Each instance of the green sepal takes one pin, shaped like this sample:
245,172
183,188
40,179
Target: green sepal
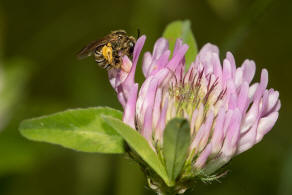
176,142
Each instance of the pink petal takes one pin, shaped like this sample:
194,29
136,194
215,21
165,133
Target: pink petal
218,134
249,69
160,46
146,65
232,136
130,108
227,72
162,120
243,97
265,125
137,50
177,57
147,126
231,60
203,157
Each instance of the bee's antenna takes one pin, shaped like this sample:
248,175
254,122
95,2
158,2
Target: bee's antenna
138,33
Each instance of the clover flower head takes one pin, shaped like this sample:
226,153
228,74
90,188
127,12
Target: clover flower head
226,112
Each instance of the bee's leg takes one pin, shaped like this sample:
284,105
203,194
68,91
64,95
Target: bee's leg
101,60
98,52
107,67
99,57
117,61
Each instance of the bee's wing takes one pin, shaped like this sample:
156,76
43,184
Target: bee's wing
89,49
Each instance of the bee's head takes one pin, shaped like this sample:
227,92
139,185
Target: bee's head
131,44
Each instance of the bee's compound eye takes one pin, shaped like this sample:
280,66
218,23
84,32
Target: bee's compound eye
131,45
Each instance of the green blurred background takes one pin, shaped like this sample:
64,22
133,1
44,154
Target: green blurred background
39,74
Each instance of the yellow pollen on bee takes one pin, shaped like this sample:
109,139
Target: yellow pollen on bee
107,52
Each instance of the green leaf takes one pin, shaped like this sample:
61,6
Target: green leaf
79,129
182,30
176,141
140,145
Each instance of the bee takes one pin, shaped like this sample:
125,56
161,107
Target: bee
109,51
